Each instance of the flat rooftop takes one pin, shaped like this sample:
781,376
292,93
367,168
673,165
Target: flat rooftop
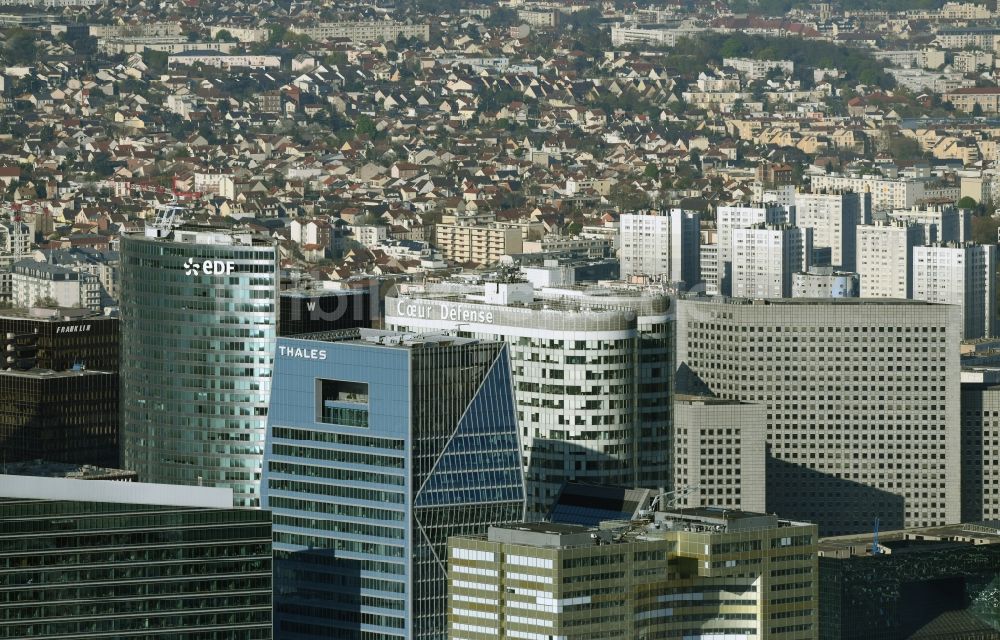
844,302
49,374
113,491
59,314
48,469
383,338
915,540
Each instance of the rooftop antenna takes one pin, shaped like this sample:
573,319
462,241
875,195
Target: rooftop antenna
876,549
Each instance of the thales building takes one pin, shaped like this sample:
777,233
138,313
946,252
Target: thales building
591,371
198,326
381,446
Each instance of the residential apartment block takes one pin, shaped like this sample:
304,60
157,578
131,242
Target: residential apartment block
765,256
482,244
834,218
964,276
885,257
384,31
661,248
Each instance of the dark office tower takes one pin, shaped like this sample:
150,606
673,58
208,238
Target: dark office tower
63,416
123,560
380,446
199,319
58,339
309,311
59,386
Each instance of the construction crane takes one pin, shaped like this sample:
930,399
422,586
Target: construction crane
663,503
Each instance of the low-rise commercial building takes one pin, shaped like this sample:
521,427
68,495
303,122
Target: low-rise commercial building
686,573
107,559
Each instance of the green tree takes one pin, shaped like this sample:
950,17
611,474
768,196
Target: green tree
155,61
968,202
651,171
627,197
21,48
364,126
977,110
223,35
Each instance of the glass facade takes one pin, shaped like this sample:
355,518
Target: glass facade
591,374
363,512
105,570
60,416
196,355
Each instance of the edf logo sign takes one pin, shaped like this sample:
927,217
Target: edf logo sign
209,267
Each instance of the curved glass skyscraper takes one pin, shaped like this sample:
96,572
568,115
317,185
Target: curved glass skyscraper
198,327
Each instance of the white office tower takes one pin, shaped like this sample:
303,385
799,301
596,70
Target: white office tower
710,268
729,218
824,282
861,401
965,276
764,258
941,223
591,372
661,247
885,253
834,218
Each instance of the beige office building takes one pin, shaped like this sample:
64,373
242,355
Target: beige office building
691,573
861,401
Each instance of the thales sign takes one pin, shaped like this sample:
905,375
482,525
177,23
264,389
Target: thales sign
407,309
298,352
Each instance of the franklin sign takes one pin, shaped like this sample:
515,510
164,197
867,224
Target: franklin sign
440,312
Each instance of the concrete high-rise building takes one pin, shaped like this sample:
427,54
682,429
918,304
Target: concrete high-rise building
661,248
680,573
834,217
824,282
729,218
965,276
380,446
886,193
861,401
592,375
764,258
719,449
710,268
199,311
941,223
112,559
885,256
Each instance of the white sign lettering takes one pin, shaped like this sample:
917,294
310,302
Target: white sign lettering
73,329
305,354
454,314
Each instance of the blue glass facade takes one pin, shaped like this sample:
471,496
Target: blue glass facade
376,453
